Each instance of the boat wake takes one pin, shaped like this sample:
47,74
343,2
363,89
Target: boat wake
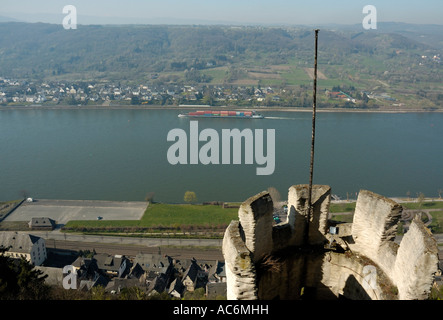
281,118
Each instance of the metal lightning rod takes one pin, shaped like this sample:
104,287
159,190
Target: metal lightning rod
311,171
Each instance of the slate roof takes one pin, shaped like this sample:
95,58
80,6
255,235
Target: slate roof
108,262
177,286
192,272
152,261
98,280
17,242
43,222
217,271
136,272
54,275
158,284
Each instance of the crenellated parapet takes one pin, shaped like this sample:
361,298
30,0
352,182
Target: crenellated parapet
301,258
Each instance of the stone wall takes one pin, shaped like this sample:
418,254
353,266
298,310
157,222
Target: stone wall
241,279
300,259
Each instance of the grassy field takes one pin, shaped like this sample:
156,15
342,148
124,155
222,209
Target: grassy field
437,222
161,216
437,216
424,205
342,207
346,218
218,74
211,219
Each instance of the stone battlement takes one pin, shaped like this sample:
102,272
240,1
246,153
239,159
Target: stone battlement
301,258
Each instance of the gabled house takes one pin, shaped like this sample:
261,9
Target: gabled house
43,223
116,285
217,273
113,265
86,268
23,245
193,277
154,265
176,289
87,284
135,272
158,284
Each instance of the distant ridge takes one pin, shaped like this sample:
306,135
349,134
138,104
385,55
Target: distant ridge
8,19
48,49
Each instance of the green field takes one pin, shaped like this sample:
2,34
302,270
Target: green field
210,219
161,216
218,75
424,205
437,222
342,207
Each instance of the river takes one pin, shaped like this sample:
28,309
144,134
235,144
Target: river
121,154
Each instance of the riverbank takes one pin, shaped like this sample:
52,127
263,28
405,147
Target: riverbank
205,107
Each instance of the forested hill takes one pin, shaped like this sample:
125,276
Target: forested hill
42,51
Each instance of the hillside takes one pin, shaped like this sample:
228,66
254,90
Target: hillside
396,62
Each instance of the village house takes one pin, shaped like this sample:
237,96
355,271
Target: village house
156,283
153,262
88,274
23,245
176,289
112,265
194,277
151,273
116,285
43,223
86,284
217,273
85,266
158,271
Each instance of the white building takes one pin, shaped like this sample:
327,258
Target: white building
25,245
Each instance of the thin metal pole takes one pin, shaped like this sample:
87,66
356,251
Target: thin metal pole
311,171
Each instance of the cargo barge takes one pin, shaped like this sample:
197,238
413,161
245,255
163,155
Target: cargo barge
222,114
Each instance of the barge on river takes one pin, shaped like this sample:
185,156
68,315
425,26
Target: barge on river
222,114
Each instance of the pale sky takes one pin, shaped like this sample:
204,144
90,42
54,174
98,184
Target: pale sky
225,11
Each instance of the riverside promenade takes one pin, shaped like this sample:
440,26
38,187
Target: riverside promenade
63,211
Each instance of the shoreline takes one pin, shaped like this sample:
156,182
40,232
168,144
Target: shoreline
234,108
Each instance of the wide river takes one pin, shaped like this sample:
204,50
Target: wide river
122,155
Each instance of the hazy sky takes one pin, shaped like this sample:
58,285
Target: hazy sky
225,11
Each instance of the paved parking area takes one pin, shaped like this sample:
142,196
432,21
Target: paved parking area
64,210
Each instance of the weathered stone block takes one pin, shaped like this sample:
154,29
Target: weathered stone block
240,270
375,222
255,216
298,213
416,263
